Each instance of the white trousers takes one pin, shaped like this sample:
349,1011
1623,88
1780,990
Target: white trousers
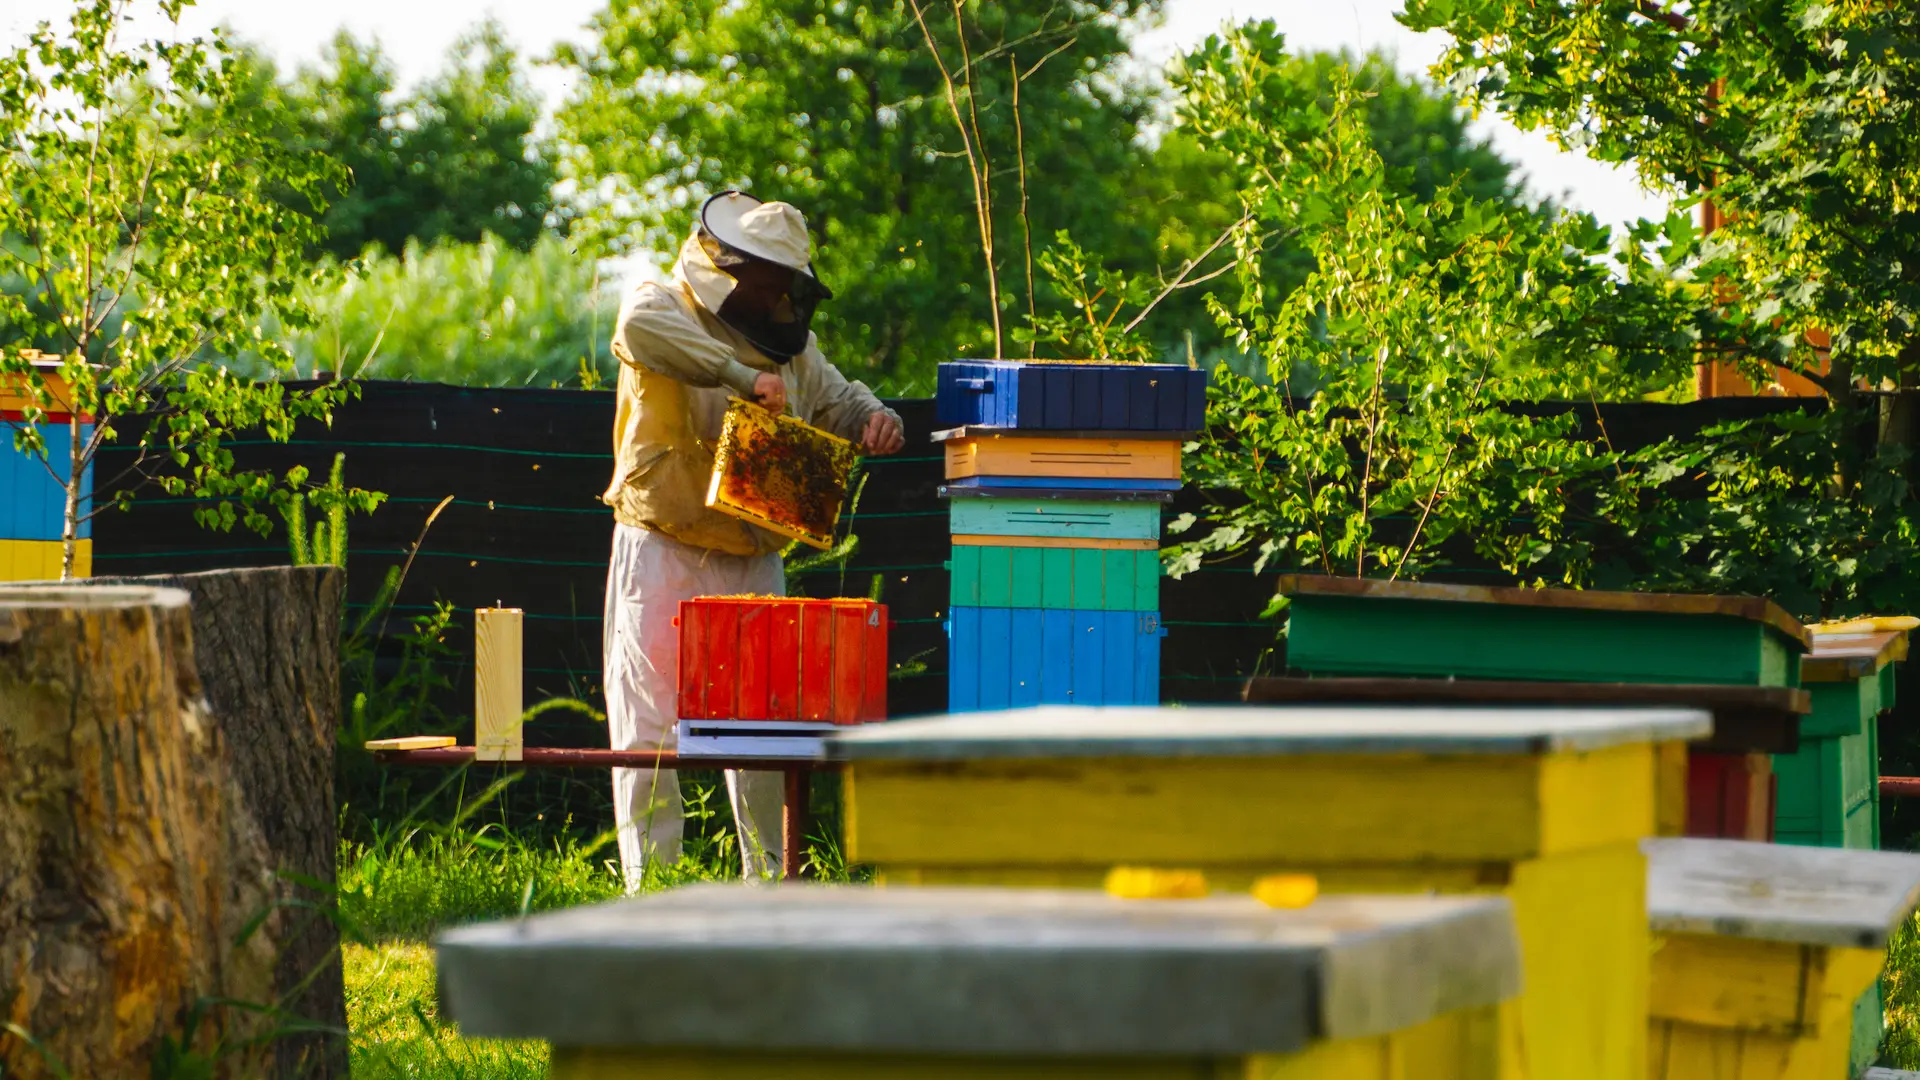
647,577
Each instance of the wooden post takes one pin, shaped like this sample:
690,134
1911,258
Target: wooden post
793,822
497,699
129,864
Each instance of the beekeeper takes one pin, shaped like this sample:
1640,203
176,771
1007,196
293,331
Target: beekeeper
733,321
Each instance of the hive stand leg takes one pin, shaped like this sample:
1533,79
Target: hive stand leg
793,822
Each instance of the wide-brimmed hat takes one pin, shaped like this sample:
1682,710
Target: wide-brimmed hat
773,231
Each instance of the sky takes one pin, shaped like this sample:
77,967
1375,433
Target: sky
416,34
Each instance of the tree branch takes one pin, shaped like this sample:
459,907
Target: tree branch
1026,221
973,165
986,177
1185,270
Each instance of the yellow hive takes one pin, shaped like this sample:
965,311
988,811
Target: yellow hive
1545,806
852,982
1760,952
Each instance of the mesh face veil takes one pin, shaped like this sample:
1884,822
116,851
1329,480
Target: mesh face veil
771,304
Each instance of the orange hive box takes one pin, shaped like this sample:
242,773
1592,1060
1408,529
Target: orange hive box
776,658
780,474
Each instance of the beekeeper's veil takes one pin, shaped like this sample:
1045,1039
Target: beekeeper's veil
750,264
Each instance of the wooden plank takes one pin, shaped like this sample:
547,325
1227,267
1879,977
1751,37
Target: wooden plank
1090,518
1028,664
412,742
1729,983
983,540
1730,796
1842,657
1100,813
816,662
1361,636
878,628
497,700
1029,488
1758,718
691,682
756,661
1757,609
784,652
978,431
1009,456
937,970
1236,731
1831,987
1070,395
996,658
1779,892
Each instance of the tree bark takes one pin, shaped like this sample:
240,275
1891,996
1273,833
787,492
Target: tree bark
268,645
130,873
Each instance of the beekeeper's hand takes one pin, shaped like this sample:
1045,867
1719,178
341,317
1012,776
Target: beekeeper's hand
882,434
770,392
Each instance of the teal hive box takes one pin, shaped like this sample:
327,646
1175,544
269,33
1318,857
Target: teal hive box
1090,519
1351,626
1829,791
1092,579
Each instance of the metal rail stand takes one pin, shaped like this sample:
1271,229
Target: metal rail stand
797,769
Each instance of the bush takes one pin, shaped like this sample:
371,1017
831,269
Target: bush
468,314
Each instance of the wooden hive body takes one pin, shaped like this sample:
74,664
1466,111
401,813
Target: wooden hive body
1007,658
1088,579
1028,395
32,500
1766,956
783,658
1079,458
856,983
1349,627
1545,806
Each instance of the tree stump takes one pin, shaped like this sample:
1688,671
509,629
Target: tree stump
267,643
130,872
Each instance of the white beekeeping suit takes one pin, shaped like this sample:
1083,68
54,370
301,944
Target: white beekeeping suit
732,322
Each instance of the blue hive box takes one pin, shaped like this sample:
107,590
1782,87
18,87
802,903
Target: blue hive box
1006,658
1041,396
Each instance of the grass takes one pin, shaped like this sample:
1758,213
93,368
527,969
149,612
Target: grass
399,888
407,890
397,1030
398,891
1901,1049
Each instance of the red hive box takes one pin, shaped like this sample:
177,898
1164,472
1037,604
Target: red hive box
768,658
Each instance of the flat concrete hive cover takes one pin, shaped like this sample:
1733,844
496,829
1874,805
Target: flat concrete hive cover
975,971
1779,892
1252,731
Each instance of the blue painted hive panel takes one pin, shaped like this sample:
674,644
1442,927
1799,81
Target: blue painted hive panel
32,501
1061,397
1007,658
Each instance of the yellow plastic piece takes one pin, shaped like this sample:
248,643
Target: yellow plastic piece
1146,883
1287,890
